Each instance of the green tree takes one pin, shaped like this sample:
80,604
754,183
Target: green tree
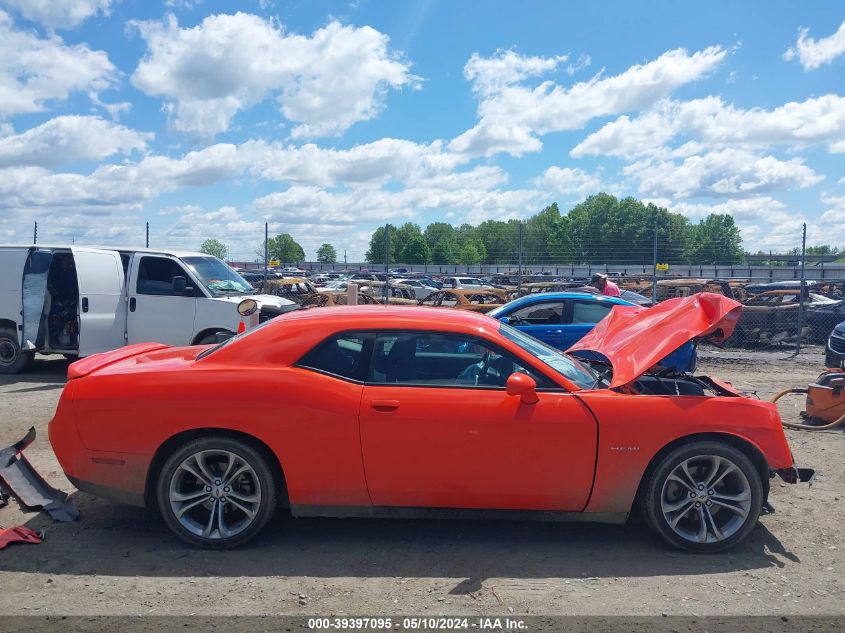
500,240
326,254
213,247
714,240
472,252
284,248
539,234
375,253
442,238
415,250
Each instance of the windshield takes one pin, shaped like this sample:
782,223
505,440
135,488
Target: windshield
562,363
217,276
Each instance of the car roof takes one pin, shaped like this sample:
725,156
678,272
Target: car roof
122,249
374,316
564,295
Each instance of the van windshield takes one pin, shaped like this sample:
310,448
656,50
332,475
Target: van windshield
217,276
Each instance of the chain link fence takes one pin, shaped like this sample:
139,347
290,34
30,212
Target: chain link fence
792,302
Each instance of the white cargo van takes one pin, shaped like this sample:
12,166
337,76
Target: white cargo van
78,301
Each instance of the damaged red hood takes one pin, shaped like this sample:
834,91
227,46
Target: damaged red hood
634,339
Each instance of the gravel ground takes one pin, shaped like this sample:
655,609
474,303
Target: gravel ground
122,561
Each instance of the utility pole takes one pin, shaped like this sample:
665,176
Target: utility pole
35,234
386,261
266,250
148,235
654,267
801,293
344,258
519,256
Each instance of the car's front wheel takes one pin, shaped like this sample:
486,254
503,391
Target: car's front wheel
216,492
703,497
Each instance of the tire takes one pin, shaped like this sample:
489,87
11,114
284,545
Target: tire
729,504
183,485
13,360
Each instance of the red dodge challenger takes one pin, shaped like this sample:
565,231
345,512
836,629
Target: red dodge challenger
402,411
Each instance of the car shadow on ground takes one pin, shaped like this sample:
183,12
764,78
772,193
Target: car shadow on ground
126,541
52,372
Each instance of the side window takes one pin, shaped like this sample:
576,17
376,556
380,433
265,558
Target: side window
344,355
547,313
155,277
441,360
589,311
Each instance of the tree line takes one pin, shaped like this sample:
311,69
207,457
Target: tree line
602,228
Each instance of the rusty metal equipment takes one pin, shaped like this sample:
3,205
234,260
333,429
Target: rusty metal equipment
825,407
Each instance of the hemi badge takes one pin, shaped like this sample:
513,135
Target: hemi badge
622,449
111,462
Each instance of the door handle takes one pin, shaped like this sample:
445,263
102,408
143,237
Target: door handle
385,405
85,304
132,304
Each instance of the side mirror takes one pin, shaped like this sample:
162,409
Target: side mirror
505,320
179,284
524,386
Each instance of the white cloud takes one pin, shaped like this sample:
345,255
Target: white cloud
743,209
813,53
513,115
725,173
324,83
765,223
490,75
817,120
835,214
58,14
565,180
35,71
66,139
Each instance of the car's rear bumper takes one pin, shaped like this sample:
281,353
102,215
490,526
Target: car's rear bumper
107,492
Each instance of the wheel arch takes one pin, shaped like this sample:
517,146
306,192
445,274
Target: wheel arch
208,331
8,323
171,444
746,447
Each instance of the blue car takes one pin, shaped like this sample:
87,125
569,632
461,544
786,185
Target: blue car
561,319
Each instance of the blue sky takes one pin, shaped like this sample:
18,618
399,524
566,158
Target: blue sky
326,119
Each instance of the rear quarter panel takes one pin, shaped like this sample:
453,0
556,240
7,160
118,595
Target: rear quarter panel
634,428
308,420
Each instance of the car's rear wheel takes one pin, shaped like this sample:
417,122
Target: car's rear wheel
13,359
704,497
216,492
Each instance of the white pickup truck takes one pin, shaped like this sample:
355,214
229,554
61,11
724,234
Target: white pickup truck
79,301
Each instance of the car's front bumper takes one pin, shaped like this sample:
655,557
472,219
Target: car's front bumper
835,352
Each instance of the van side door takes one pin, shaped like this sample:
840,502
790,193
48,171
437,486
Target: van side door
161,310
102,312
12,262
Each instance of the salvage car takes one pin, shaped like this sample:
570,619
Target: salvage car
465,299
561,319
835,351
389,412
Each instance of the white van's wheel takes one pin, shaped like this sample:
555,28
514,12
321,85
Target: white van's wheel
12,359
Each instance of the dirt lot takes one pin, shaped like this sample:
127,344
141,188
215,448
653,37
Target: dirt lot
120,560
